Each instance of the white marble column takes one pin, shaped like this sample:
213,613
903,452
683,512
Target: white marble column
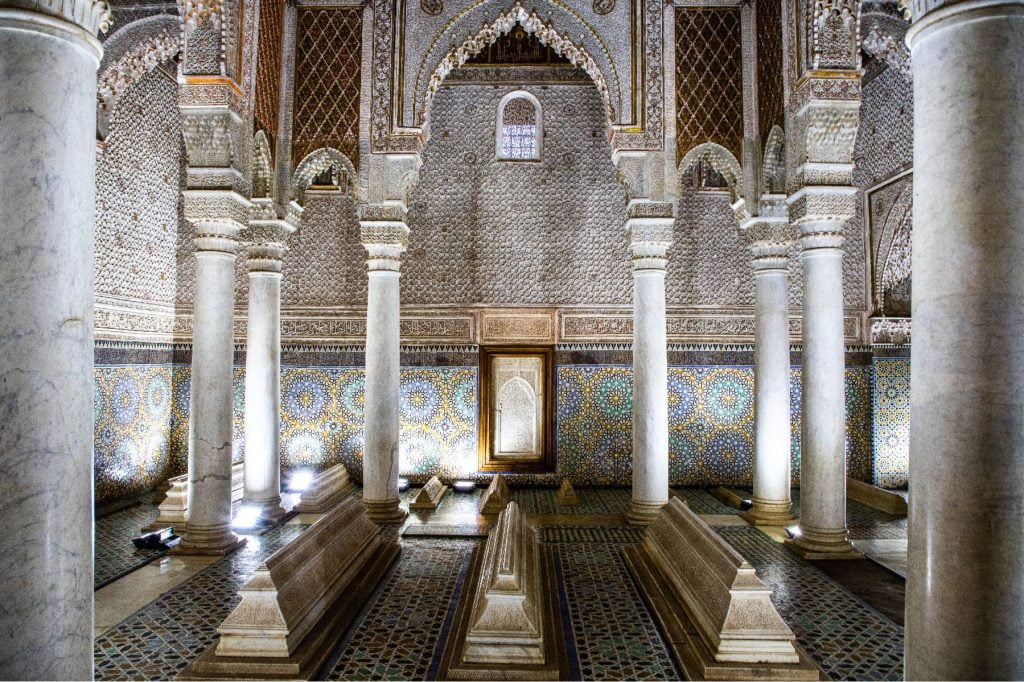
47,193
822,533
769,242
650,239
965,581
208,529
265,250
385,237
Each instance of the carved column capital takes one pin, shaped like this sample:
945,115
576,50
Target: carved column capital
214,237
92,15
213,147
384,240
650,238
769,241
266,237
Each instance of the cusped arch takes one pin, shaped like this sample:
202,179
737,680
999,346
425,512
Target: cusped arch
318,161
605,79
262,166
893,259
773,166
720,159
130,53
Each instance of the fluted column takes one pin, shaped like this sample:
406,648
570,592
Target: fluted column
823,533
965,580
208,529
384,234
48,60
650,238
265,249
769,242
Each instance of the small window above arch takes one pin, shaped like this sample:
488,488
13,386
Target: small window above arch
520,127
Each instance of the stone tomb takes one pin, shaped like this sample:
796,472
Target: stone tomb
326,490
496,496
566,495
174,507
301,600
716,614
429,495
506,626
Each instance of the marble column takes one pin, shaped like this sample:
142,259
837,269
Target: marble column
208,529
48,60
265,250
650,239
385,237
769,243
822,532
965,581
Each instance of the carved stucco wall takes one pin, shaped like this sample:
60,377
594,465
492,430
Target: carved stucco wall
484,231
138,195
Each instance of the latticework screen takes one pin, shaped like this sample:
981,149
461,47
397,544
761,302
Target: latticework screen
709,79
268,68
327,59
770,104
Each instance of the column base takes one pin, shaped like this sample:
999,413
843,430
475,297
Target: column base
817,544
642,513
770,513
385,512
208,541
271,511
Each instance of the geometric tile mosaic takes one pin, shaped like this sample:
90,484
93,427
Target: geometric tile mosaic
846,637
711,424
115,554
891,397
864,522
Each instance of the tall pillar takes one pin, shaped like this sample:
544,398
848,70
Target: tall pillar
48,60
384,234
823,533
650,238
266,247
965,582
769,242
208,529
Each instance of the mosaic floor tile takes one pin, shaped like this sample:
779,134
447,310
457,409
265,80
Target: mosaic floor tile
158,641
703,502
845,636
115,554
616,637
401,636
866,522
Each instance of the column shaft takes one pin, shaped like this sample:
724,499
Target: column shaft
772,444
823,429
263,388
965,582
208,530
650,241
384,243
47,191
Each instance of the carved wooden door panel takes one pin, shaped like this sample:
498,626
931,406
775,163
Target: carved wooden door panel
517,398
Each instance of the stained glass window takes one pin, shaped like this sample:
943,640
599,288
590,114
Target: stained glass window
519,130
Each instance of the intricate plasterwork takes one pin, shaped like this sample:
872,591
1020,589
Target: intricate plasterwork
894,330
209,138
92,15
532,23
897,266
836,27
719,158
773,164
262,166
318,162
200,12
893,52
133,65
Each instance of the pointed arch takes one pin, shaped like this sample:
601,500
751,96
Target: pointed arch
607,85
317,162
262,167
719,158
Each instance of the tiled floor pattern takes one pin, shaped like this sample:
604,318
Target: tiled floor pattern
615,636
863,522
158,641
396,640
612,634
703,502
115,554
849,639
